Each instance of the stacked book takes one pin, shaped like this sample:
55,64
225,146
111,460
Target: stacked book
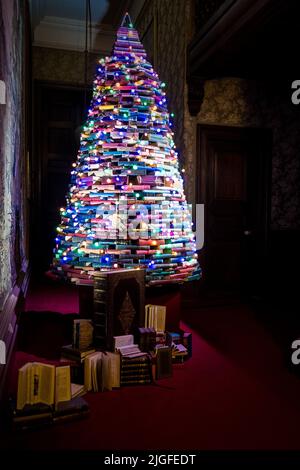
136,370
146,338
74,354
76,408
75,359
82,345
30,416
135,365
41,414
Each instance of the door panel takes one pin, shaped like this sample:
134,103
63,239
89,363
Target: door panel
234,173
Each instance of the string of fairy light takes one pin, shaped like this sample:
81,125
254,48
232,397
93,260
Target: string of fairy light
126,206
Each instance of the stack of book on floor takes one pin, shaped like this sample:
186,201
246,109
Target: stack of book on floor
135,366
46,396
82,346
136,370
146,338
75,359
40,414
76,408
30,416
74,354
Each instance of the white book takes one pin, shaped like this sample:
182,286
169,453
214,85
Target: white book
121,341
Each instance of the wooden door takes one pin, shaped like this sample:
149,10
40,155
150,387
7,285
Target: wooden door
234,170
60,112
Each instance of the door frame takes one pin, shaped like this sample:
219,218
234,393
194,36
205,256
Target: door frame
265,137
37,173
39,87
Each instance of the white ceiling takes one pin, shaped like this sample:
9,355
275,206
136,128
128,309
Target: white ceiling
71,9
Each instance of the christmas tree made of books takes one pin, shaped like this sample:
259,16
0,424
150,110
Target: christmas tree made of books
126,207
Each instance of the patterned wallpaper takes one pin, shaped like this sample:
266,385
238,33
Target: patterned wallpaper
61,65
12,225
283,118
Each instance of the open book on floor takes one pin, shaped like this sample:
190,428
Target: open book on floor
102,371
43,383
126,347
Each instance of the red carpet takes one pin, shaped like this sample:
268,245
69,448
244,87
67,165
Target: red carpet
235,393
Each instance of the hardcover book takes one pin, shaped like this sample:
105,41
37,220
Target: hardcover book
136,371
43,383
119,304
124,340
163,363
155,317
41,415
82,334
68,411
102,371
173,337
187,342
68,352
146,338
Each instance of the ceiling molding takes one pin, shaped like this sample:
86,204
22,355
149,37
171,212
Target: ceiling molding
69,34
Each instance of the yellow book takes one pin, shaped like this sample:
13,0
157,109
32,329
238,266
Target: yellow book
43,383
106,106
